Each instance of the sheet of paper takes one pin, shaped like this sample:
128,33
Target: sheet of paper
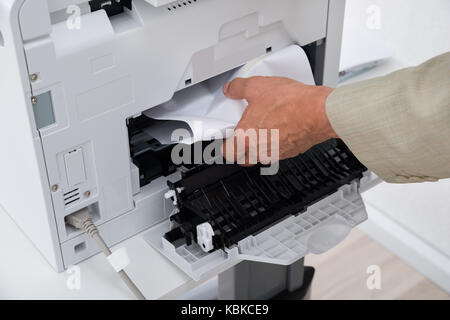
203,109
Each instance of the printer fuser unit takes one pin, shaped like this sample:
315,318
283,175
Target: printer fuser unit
227,213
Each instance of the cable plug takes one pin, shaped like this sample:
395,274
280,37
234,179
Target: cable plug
78,218
82,220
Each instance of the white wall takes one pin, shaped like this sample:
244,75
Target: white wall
411,220
415,30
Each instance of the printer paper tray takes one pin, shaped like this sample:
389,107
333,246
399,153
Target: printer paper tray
322,226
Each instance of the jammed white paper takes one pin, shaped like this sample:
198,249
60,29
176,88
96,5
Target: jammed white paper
206,113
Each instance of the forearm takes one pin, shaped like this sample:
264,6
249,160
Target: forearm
398,125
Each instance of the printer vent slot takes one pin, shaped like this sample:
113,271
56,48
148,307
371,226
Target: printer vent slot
71,197
180,4
80,247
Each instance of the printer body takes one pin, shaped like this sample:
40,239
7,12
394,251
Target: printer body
75,79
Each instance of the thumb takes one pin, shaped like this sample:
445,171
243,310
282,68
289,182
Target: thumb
237,89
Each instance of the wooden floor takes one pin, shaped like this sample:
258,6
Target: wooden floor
341,273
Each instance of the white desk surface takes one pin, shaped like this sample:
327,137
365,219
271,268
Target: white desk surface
416,30
25,274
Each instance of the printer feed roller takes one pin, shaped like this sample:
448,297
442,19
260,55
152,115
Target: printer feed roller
238,202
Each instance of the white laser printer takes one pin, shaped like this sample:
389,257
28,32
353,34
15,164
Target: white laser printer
75,79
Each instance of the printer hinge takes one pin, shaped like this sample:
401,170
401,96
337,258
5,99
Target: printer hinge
112,7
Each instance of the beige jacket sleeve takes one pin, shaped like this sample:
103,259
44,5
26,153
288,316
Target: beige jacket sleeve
398,125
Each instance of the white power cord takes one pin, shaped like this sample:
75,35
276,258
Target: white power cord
82,220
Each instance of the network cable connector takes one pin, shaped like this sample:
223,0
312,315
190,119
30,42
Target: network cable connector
227,213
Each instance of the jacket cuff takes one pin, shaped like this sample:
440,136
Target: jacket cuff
356,119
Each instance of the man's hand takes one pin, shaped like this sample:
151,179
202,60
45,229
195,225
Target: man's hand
295,109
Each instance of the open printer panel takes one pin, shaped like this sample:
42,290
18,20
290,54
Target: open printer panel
226,213
238,202
77,76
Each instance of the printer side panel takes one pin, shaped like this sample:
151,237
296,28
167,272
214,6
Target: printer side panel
24,188
336,12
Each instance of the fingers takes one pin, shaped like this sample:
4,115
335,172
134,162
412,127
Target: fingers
251,146
239,88
247,131
243,154
233,150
